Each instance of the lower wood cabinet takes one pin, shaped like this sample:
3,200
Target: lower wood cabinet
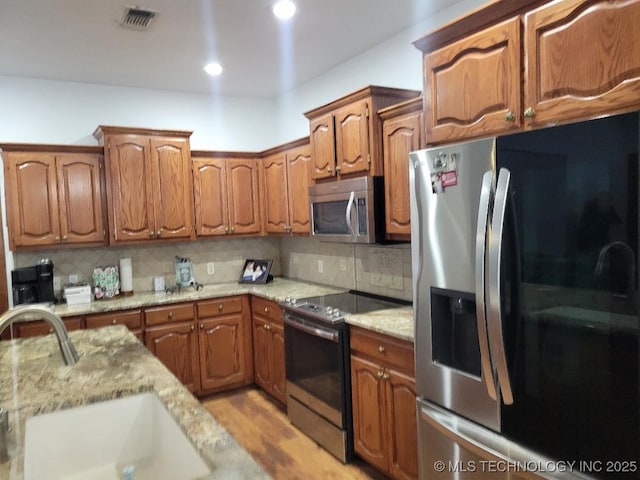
40,327
207,344
224,340
172,337
268,348
132,319
384,402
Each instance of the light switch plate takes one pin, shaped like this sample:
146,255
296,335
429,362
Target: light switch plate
320,266
211,268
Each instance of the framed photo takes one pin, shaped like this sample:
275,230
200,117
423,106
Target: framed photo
255,271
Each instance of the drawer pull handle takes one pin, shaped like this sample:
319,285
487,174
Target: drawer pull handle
220,307
170,314
114,321
266,309
381,348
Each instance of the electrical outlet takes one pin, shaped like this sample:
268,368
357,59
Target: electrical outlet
294,257
320,266
211,268
343,265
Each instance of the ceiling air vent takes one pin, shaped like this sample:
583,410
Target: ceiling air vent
137,18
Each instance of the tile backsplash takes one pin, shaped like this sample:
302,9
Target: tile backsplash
152,260
383,270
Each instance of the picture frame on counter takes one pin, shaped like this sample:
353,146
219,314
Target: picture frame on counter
256,271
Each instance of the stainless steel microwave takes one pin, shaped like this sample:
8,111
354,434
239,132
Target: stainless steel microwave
348,211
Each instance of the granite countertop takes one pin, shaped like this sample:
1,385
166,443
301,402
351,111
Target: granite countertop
396,322
277,290
113,364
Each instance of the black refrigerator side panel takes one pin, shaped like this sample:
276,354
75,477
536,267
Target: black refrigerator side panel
572,328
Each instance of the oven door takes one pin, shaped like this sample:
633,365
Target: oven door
315,366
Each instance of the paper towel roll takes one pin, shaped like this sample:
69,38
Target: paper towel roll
126,276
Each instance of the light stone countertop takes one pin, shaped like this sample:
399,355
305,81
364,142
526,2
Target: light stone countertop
277,290
113,364
396,322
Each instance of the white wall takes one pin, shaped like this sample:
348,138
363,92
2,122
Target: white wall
45,111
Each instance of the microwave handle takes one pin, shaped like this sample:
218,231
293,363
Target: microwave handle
352,199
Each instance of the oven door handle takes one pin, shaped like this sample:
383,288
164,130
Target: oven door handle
318,332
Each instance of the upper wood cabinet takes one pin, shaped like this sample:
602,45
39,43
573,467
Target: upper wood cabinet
402,133
523,68
346,134
149,184
66,184
287,176
227,195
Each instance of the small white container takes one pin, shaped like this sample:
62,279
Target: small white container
77,294
126,276
158,284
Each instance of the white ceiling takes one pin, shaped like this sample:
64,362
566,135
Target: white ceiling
81,40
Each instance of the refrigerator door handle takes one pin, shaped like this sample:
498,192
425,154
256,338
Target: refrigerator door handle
352,198
496,338
481,249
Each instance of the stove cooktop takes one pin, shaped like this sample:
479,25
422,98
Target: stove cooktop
333,308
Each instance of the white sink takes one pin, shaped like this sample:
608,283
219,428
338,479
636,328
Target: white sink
98,441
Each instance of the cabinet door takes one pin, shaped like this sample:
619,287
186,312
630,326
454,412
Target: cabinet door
222,352
352,138
244,195
261,364
400,136
129,184
177,347
323,146
583,60
210,189
278,362
171,162
403,433
276,211
473,85
299,172
369,430
31,181
81,198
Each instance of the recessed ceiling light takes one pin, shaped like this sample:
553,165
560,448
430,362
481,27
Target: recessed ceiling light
284,9
213,68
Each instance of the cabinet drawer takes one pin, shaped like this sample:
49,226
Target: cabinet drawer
219,306
387,350
40,327
266,308
131,318
169,314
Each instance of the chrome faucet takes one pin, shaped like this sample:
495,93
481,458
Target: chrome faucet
42,312
631,269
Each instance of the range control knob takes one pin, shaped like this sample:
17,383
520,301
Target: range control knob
328,310
336,312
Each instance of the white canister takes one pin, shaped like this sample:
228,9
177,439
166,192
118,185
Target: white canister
126,276
158,284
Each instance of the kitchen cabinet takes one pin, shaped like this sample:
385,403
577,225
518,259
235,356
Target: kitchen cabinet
224,340
287,176
66,183
384,402
531,69
40,327
227,195
268,348
402,133
171,336
346,134
149,184
132,319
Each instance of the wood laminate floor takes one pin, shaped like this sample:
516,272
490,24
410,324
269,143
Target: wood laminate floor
261,427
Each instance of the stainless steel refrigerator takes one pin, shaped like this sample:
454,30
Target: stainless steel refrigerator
525,266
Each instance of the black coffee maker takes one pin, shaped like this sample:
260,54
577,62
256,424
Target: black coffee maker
33,284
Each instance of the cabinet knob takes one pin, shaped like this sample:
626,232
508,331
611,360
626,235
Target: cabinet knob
380,374
193,328
266,309
158,233
114,321
220,307
529,113
233,229
152,234
385,376
338,169
510,116
381,348
170,314
201,326
65,237
51,330
57,238
329,170
226,230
